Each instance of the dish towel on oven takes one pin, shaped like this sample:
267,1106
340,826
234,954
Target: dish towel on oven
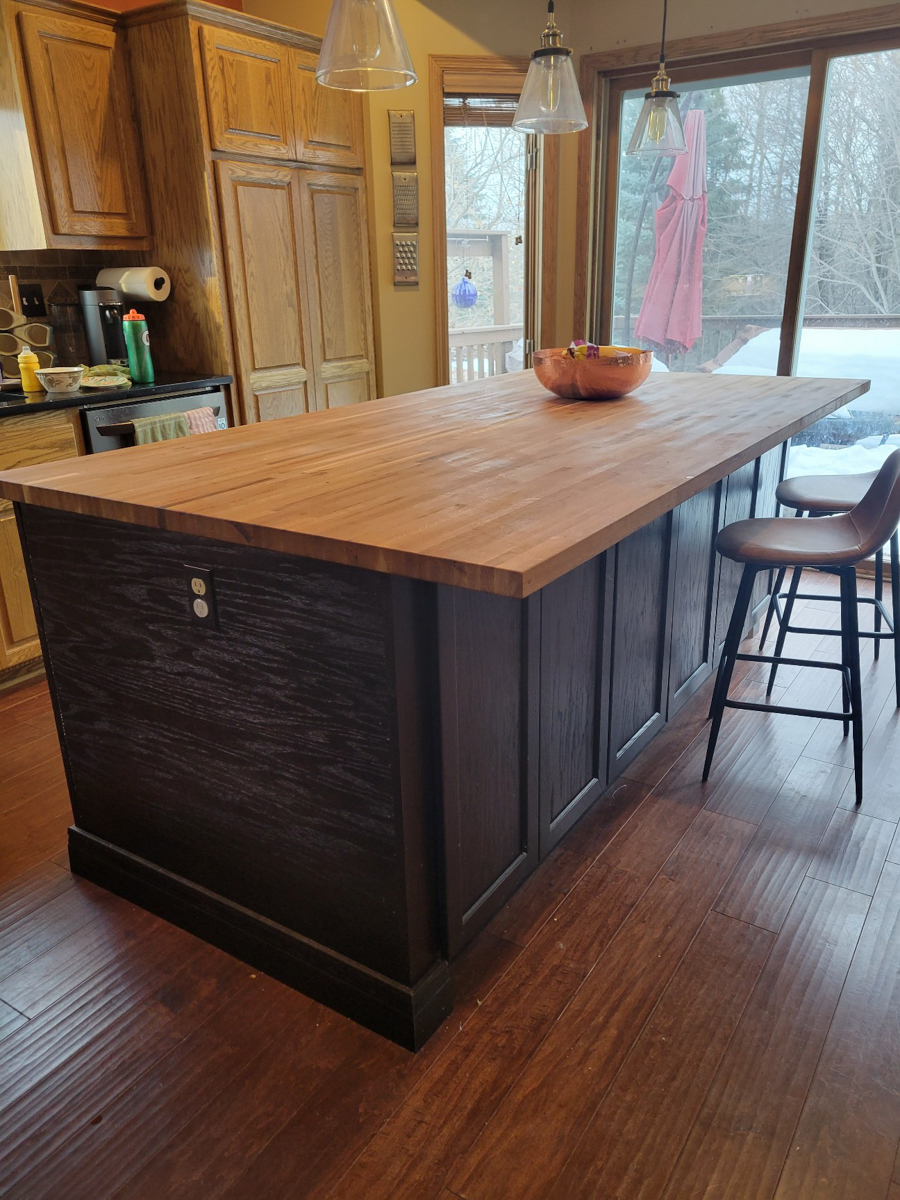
201,420
161,428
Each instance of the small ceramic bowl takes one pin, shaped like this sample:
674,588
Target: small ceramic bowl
616,372
60,380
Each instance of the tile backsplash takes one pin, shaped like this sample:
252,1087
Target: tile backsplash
59,272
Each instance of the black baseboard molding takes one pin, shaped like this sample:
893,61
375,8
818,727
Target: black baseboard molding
406,1015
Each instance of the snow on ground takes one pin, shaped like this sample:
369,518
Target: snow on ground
833,354
836,460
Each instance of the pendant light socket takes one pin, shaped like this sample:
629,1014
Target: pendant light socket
659,131
550,100
364,49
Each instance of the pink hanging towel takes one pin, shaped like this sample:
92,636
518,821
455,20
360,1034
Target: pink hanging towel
201,420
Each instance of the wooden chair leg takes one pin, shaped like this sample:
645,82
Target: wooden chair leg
726,666
850,640
785,622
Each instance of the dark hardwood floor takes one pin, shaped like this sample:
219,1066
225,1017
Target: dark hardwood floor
697,995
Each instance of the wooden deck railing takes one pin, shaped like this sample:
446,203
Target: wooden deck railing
480,352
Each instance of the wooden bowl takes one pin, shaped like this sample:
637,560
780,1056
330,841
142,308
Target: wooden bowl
618,371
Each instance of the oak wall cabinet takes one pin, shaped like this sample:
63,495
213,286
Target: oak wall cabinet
68,137
24,442
261,215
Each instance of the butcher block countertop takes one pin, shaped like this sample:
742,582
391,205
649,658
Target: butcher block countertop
494,485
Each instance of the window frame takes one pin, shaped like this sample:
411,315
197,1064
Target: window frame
604,77
474,75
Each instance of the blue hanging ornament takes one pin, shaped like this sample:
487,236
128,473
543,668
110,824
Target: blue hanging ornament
465,294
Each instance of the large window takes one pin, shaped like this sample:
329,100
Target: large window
773,246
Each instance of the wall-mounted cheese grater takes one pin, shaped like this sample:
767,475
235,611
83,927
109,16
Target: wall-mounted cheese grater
406,259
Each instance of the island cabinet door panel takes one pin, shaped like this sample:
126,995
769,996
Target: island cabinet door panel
488,648
639,665
573,746
247,93
769,469
340,288
695,524
739,492
264,759
262,227
81,100
328,121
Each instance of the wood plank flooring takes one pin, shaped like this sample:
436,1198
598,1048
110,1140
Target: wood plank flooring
695,996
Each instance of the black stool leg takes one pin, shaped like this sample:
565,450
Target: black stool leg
785,622
879,594
850,640
770,611
726,666
895,606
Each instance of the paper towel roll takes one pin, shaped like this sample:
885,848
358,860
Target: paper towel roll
144,283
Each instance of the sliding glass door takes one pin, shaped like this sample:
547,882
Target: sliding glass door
702,241
773,245
850,297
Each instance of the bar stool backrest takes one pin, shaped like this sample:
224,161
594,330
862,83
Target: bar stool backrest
878,513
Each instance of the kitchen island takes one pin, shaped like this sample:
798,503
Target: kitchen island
431,631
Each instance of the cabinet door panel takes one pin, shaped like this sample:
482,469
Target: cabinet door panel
21,628
696,523
768,477
338,279
247,85
264,247
640,644
328,121
573,740
26,441
738,506
488,698
88,140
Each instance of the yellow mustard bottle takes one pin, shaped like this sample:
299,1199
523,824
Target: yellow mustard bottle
28,364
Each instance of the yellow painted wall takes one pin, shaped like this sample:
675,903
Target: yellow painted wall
404,316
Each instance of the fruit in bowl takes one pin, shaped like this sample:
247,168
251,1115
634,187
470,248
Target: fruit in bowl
60,380
585,372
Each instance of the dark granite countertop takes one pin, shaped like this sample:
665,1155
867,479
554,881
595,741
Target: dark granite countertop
14,403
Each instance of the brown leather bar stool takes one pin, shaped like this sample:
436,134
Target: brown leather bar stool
822,495
836,543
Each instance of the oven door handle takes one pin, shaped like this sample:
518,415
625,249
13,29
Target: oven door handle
126,427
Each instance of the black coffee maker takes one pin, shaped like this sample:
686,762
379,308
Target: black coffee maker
103,310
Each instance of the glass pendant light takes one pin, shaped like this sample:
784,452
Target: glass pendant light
550,100
364,49
659,131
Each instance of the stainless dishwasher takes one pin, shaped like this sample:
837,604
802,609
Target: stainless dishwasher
111,426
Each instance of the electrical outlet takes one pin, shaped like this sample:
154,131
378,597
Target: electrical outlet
201,596
32,297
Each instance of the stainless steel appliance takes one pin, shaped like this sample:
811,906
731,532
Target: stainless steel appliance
103,310
111,426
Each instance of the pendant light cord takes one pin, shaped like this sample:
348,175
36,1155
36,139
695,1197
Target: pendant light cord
662,45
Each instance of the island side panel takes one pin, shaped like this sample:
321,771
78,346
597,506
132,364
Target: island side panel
489,693
272,761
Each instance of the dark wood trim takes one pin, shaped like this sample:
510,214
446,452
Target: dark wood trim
793,295
408,1015
883,19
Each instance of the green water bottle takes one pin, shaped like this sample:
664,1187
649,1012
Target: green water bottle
137,343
